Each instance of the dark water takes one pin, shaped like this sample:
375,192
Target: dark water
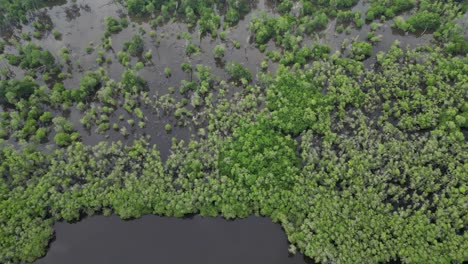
81,22
153,239
387,35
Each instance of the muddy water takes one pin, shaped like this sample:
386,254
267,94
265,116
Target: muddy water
152,239
387,35
81,23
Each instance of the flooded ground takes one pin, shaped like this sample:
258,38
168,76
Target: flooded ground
82,25
384,31
153,239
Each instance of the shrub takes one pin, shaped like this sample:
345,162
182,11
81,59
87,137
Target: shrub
57,34
112,26
361,50
167,72
136,46
238,72
425,21
218,51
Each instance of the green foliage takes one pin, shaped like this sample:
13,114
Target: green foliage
62,139
57,34
148,55
361,50
131,81
318,22
201,11
451,35
346,3
32,56
267,27
222,35
124,22
424,21
238,72
136,6
303,55
16,11
209,23
136,46
46,117
89,49
37,34
186,67
66,170
167,72
260,161
26,36
123,58
388,8
139,65
236,44
41,135
65,54
113,26
12,91
358,164
218,51
401,24
89,85
296,104
346,16
232,17
359,175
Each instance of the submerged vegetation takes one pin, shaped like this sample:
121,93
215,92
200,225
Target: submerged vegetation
359,153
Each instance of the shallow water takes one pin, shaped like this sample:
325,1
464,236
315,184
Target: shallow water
153,239
81,22
387,35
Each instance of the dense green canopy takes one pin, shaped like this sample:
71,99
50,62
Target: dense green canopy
359,154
